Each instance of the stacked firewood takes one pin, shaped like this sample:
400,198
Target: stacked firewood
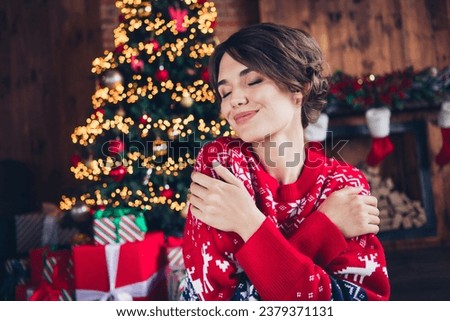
397,210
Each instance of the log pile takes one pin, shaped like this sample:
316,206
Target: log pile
397,210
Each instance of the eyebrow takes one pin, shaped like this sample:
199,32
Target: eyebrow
241,74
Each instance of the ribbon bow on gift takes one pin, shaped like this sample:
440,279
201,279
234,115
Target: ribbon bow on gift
123,293
55,283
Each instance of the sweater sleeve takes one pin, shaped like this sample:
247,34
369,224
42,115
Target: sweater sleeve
209,262
209,253
279,271
314,236
282,273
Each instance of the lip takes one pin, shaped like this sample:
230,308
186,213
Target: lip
243,117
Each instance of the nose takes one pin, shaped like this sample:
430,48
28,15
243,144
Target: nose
238,99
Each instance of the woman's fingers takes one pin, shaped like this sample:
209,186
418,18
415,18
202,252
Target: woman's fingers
369,200
198,190
225,174
374,220
196,201
203,180
373,229
372,210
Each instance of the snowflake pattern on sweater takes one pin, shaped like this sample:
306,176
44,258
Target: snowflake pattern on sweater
295,239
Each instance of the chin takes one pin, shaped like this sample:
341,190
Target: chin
251,137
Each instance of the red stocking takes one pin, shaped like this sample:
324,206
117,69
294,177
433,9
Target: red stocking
378,120
381,148
443,157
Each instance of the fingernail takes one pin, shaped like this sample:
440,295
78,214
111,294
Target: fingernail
215,163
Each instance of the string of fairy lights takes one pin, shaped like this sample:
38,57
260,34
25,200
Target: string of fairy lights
138,16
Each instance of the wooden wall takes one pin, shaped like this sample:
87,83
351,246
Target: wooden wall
47,47
370,36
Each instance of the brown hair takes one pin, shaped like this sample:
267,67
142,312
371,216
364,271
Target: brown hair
289,56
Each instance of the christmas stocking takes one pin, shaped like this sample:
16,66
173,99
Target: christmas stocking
378,120
443,157
316,133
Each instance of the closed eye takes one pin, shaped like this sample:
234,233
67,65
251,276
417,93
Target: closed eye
255,82
225,95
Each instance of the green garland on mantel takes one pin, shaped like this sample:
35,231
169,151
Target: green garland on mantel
398,90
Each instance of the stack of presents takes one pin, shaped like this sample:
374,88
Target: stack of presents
121,261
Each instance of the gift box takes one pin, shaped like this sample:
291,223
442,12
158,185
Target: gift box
175,270
17,273
119,225
37,229
51,275
29,228
129,271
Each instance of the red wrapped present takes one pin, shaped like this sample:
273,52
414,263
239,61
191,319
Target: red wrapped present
118,225
52,274
175,270
129,271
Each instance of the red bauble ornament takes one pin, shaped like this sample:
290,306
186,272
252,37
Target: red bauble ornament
201,1
162,75
75,159
119,48
116,146
155,44
99,112
145,119
137,65
118,173
168,193
205,74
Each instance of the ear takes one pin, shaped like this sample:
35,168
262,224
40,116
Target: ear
298,98
300,94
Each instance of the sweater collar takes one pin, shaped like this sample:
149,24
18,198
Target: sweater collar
307,179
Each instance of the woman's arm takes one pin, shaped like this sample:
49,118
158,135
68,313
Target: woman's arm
342,215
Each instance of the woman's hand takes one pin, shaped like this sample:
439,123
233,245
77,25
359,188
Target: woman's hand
352,213
225,205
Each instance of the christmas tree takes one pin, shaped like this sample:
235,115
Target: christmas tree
153,109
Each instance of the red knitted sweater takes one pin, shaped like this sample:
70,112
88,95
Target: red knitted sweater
297,253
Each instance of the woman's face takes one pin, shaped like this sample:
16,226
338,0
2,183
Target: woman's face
254,105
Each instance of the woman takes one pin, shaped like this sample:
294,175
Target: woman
269,218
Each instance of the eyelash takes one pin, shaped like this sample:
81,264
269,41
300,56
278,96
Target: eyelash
255,82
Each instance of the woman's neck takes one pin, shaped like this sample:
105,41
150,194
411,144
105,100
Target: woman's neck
282,157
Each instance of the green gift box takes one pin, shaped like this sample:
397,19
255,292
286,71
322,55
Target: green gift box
118,226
